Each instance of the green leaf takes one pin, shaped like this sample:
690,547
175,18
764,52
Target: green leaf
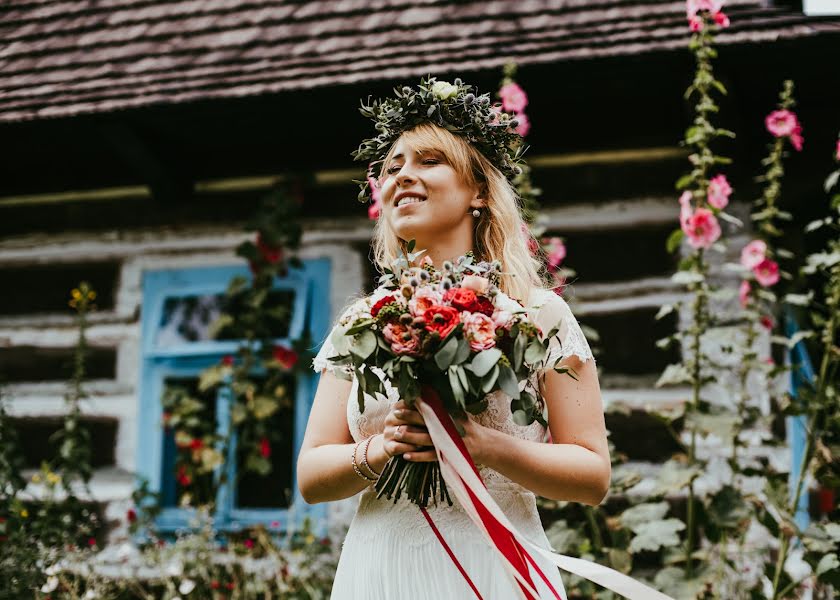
519,350
265,406
490,380
674,374
211,377
455,384
484,361
664,310
508,382
363,344
827,563
638,515
520,417
462,377
674,240
654,535
444,356
534,353
360,326
463,352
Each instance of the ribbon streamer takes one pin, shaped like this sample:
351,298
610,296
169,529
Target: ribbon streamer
462,477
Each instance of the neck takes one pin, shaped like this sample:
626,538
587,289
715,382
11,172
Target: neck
439,253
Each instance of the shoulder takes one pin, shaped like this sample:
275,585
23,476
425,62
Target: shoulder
360,306
548,302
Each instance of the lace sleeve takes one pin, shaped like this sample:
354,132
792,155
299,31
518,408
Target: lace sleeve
328,348
553,311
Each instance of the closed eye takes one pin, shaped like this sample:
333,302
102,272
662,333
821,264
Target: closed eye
395,168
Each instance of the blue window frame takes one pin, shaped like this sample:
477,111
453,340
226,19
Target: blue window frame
178,348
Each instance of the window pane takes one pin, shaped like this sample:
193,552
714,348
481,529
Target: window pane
188,319
180,479
275,489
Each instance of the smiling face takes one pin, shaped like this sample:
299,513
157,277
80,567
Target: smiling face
424,197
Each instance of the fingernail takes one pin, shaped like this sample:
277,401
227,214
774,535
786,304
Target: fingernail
407,456
399,412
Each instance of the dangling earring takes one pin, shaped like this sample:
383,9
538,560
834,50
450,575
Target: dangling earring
476,213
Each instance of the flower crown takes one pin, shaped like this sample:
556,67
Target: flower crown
451,106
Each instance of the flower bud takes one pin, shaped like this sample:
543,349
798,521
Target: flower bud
418,322
485,100
424,276
446,284
413,282
405,318
438,318
447,265
405,336
406,90
514,123
469,98
407,291
458,81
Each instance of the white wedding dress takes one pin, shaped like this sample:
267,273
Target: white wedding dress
391,552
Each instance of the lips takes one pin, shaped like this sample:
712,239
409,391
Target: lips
405,198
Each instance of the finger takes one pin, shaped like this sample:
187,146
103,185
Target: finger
395,448
412,436
400,404
412,417
421,456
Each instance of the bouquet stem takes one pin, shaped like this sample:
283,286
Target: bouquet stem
421,482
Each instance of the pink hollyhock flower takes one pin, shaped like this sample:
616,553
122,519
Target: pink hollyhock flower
767,322
476,283
685,209
837,156
265,447
480,331
744,293
702,229
496,110
692,7
401,338
533,246
796,139
721,19
514,98
695,23
766,272
719,191
781,123
524,125
555,252
753,253
423,299
375,209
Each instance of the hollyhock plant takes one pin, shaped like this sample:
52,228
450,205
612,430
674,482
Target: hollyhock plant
767,322
753,253
796,139
702,228
837,153
719,191
513,98
286,357
375,209
265,447
766,272
744,293
555,251
781,123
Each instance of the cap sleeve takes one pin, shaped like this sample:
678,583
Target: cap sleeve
328,348
553,311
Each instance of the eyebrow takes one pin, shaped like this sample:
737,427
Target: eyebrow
396,156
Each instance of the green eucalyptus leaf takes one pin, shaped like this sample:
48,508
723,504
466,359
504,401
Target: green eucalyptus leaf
363,344
508,382
484,361
445,356
490,380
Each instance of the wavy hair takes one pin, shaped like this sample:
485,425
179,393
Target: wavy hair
500,234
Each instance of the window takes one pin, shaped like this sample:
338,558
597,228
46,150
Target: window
179,306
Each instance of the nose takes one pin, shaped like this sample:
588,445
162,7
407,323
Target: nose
405,176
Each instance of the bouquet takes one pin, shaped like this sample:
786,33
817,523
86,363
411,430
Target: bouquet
450,330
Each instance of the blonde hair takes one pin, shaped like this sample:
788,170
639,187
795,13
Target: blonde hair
500,234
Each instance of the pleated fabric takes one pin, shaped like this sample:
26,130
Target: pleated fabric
391,551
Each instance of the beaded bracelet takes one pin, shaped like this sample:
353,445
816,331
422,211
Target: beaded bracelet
356,467
364,458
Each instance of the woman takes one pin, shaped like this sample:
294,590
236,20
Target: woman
440,189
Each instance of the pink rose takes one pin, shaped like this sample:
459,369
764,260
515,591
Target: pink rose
480,331
719,191
555,252
476,283
702,228
524,124
781,123
513,98
502,319
401,338
753,253
766,272
423,299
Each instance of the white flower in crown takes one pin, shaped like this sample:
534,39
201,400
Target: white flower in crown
444,90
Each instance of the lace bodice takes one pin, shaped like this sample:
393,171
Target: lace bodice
546,309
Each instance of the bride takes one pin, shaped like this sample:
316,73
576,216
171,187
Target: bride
452,194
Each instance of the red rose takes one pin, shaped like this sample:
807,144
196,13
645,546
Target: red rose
441,319
131,515
215,584
460,298
287,358
482,305
270,253
381,303
196,444
265,448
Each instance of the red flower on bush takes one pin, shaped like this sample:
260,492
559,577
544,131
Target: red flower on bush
270,253
381,303
249,543
265,448
196,444
286,357
215,584
227,361
131,515
441,319
230,585
182,476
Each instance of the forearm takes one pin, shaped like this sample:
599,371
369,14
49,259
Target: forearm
556,471
325,473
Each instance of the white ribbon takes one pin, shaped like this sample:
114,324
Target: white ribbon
458,471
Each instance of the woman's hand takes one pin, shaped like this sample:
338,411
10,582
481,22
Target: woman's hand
405,433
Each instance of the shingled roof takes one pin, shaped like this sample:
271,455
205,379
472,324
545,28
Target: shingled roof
63,58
